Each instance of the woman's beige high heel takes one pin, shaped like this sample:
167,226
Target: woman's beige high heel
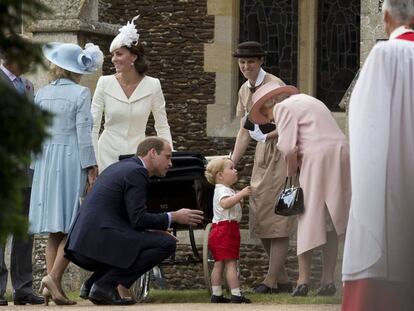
45,293
49,289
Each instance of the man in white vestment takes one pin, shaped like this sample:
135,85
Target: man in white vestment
378,260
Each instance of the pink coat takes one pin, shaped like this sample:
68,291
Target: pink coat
310,139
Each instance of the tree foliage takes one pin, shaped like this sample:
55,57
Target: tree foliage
22,124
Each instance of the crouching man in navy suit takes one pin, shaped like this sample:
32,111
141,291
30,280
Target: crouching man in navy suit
113,235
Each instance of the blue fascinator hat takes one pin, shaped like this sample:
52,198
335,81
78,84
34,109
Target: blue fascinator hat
72,57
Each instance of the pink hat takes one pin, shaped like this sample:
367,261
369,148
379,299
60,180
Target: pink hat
263,94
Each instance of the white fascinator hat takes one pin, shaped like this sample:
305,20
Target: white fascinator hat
128,36
72,57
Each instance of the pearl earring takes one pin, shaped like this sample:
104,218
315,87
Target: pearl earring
132,64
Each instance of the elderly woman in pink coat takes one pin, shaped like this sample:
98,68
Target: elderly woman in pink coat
310,140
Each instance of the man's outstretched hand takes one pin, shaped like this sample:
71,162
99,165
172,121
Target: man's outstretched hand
187,216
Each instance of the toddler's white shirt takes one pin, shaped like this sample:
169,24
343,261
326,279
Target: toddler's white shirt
220,214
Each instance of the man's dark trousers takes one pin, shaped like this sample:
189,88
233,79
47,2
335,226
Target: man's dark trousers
156,247
20,259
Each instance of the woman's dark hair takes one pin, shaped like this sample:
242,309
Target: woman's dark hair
140,64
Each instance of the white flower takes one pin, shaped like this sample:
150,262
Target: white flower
129,33
95,54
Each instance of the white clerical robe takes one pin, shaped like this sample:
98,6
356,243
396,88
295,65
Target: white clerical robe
381,129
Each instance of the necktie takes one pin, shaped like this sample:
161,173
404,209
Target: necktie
252,89
18,83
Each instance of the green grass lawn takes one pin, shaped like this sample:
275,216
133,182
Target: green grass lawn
202,296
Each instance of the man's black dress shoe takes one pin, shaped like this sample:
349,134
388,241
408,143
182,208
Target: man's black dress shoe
326,290
107,296
27,299
3,301
84,291
301,290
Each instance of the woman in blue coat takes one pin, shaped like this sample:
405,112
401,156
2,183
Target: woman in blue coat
67,159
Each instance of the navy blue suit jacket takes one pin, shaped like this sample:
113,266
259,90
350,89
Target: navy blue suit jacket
110,224
29,91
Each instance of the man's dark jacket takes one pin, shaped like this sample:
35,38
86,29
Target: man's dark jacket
29,92
109,226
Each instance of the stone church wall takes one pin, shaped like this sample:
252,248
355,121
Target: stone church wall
174,36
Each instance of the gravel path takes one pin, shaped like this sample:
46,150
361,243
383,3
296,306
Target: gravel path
82,306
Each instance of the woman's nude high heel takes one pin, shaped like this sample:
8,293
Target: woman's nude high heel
45,293
49,289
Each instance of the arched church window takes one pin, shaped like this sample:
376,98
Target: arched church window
338,49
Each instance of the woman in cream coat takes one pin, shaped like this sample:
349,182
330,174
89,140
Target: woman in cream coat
311,140
126,100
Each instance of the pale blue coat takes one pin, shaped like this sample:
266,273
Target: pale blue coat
60,170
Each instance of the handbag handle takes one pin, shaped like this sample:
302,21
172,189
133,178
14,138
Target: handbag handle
290,179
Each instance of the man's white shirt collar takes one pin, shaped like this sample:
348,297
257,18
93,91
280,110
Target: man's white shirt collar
260,78
399,31
143,163
11,76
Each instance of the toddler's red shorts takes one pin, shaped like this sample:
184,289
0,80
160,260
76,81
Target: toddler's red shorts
224,240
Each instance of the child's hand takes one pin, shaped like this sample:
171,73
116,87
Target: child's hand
246,191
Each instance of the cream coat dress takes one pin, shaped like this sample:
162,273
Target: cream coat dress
267,180
125,118
310,139
381,127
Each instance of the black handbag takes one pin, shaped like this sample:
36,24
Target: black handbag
290,200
